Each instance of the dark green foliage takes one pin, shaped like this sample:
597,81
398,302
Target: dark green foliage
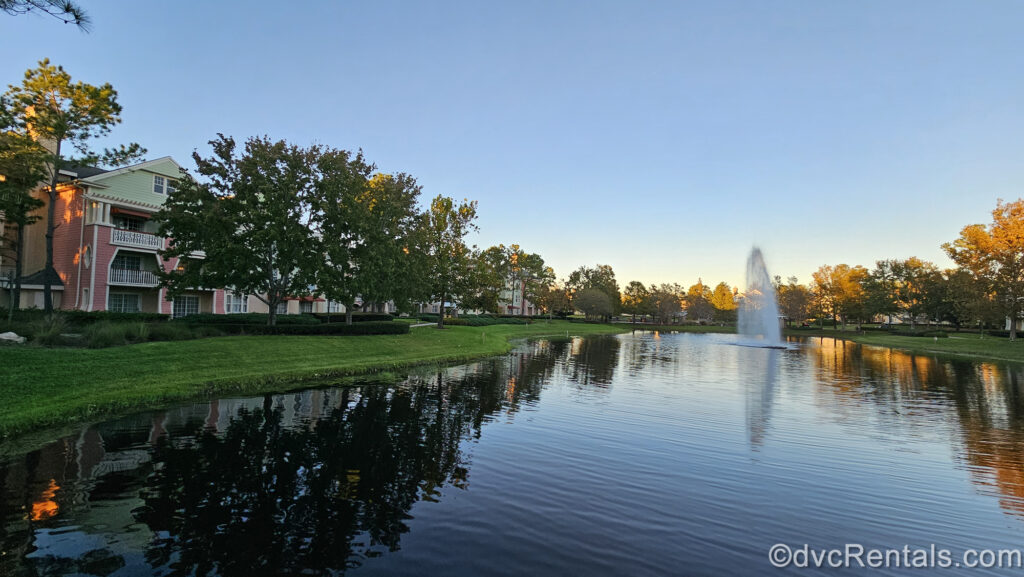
356,317
481,321
111,334
170,332
48,330
246,319
363,328
78,319
912,333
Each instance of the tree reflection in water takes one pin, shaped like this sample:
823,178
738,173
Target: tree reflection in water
267,496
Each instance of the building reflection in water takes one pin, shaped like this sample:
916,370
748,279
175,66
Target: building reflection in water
313,481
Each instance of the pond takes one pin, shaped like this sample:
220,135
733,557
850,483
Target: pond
643,454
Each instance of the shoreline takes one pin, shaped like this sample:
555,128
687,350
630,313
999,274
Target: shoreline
58,388
44,388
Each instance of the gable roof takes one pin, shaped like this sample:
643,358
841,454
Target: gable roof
149,166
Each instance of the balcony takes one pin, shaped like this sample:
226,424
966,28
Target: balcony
123,276
136,239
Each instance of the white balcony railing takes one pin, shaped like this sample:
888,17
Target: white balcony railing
135,239
132,277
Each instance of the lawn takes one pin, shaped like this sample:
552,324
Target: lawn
40,386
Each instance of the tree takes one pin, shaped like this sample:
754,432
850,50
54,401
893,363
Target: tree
509,268
698,302
913,278
554,298
794,299
838,292
994,254
55,112
880,289
251,218
444,227
636,299
64,10
389,268
364,227
22,168
666,301
594,303
724,302
601,277
338,220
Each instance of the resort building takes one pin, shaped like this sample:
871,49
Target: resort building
105,246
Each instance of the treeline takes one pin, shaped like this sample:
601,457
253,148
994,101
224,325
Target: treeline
984,289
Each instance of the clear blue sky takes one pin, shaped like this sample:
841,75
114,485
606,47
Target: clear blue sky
662,138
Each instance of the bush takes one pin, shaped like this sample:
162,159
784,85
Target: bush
48,330
76,318
170,332
910,333
106,334
481,321
356,317
246,319
364,328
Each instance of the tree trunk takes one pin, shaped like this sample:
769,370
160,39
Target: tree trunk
440,318
51,224
272,313
348,311
19,253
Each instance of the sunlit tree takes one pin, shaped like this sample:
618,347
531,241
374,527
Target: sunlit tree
994,255
56,112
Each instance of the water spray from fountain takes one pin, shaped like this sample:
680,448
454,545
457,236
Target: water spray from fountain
759,312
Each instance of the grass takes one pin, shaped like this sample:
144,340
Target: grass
957,344
42,387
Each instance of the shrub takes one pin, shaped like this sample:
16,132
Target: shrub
106,334
246,319
356,317
170,332
910,333
49,330
364,328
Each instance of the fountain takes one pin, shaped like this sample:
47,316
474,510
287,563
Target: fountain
759,312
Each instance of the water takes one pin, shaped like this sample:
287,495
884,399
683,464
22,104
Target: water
759,311
646,454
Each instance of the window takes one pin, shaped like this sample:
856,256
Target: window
132,223
235,302
162,184
334,307
127,262
185,305
306,307
123,303
282,308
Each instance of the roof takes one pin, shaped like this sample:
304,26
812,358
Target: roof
86,171
39,278
148,165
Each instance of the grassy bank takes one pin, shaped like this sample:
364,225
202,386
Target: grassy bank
41,387
968,345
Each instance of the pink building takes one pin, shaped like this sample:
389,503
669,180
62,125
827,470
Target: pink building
105,246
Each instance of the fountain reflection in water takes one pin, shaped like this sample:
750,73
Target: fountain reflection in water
759,312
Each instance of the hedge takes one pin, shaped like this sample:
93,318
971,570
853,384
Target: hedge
363,328
79,318
356,317
246,319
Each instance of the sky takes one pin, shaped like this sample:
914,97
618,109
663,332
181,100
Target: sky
662,138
